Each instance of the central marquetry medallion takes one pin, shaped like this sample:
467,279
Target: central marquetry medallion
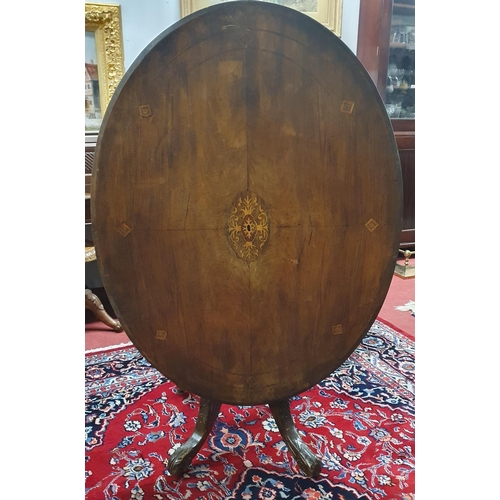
248,227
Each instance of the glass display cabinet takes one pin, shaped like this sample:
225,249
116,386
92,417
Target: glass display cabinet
400,84
386,47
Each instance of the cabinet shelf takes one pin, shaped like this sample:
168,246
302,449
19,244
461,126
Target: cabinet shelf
402,45
411,87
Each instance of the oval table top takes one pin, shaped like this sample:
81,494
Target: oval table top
246,202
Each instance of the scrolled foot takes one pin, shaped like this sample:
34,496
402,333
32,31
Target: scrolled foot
182,456
93,303
308,463
180,459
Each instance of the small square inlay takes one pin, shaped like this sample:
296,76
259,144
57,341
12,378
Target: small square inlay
161,334
347,107
371,225
145,111
124,230
337,329
246,38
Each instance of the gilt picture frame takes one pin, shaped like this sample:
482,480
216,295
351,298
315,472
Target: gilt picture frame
104,67
327,12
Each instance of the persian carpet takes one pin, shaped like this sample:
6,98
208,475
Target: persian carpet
359,421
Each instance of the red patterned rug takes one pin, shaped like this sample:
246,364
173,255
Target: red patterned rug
359,421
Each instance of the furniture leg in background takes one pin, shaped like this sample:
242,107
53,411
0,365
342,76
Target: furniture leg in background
93,302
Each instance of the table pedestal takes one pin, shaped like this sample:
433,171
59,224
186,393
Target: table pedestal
308,463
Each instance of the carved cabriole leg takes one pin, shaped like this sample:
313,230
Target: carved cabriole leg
308,463
93,303
182,456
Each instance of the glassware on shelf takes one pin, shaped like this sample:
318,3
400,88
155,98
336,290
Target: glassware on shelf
410,37
393,109
400,83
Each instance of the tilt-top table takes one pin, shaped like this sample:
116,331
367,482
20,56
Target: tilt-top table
246,204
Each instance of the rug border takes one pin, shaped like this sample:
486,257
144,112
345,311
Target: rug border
98,350
323,477
396,328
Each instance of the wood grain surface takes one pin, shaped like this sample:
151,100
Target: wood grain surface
246,101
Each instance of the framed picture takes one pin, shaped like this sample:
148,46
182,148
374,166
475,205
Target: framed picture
327,12
103,59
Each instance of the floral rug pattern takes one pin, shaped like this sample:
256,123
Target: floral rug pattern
359,421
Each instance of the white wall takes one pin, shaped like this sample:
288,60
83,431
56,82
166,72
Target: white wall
350,21
144,20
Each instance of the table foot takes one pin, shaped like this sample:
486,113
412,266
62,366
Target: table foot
182,456
308,463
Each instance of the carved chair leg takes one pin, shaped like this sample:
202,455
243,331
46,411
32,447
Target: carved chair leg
182,456
93,303
308,463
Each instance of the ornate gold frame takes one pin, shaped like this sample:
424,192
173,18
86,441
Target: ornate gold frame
105,21
329,12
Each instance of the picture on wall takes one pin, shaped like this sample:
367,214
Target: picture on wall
300,5
327,12
93,115
103,60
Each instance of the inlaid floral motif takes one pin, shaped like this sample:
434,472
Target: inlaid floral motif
248,227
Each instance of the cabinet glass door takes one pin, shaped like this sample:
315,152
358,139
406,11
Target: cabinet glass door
400,84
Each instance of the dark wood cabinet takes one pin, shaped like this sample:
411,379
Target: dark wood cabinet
405,139
90,144
386,47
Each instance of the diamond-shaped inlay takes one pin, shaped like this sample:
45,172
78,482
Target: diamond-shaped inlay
124,229
246,38
161,334
145,111
347,107
337,329
250,381
371,225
